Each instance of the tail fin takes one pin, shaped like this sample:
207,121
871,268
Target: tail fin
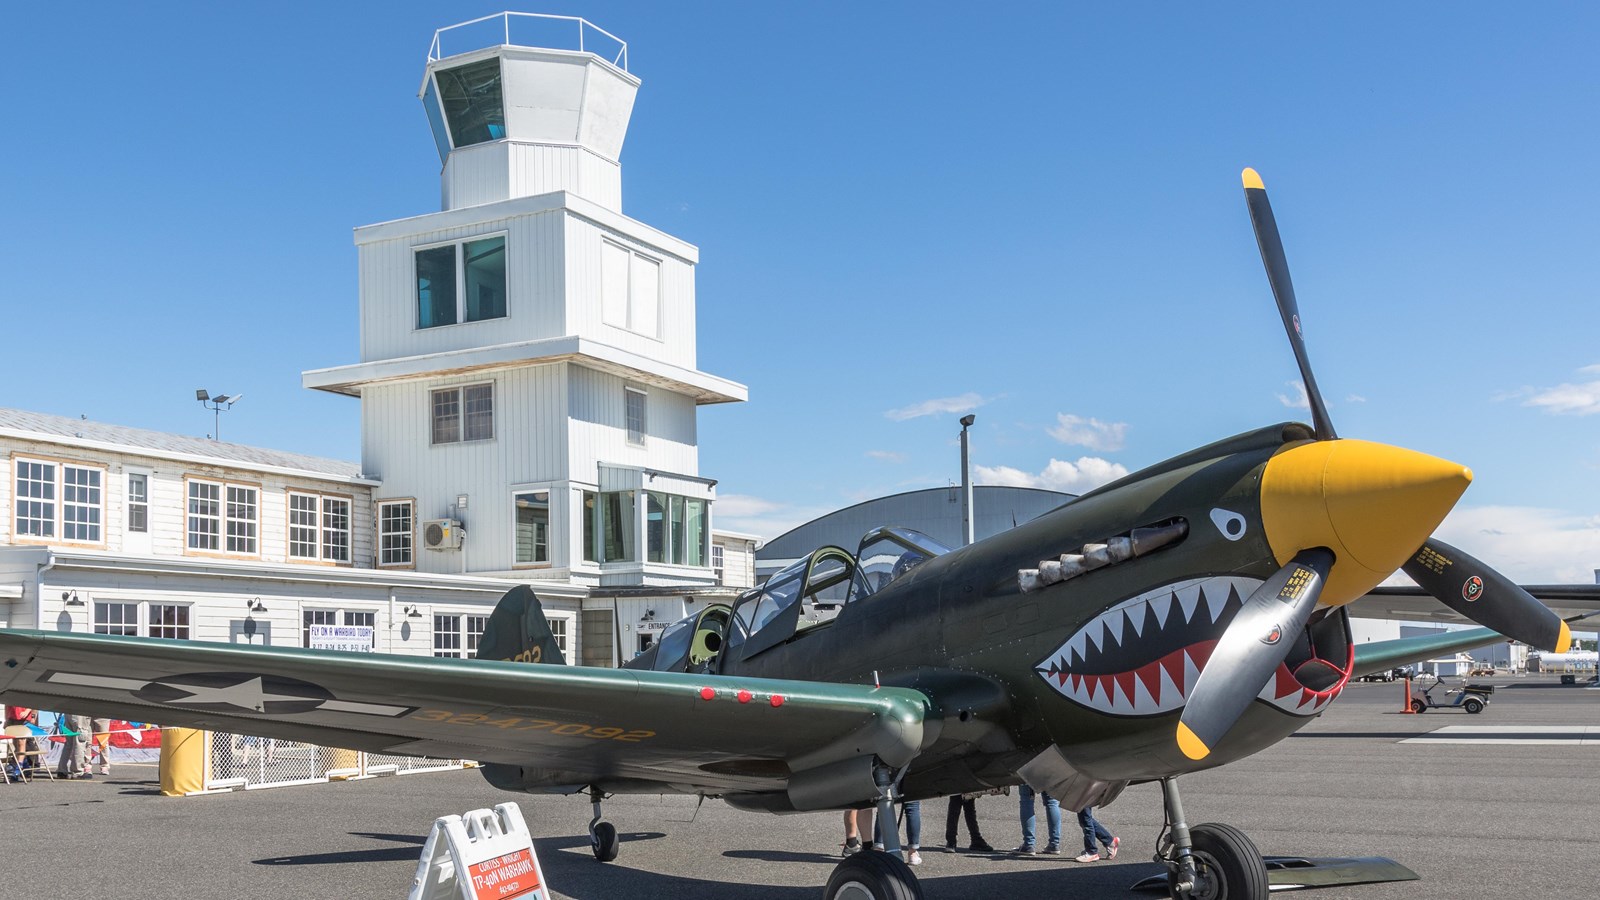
517,631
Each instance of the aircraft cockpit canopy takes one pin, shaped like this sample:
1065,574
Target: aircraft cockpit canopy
889,552
804,594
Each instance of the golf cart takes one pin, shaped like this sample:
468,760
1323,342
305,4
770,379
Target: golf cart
1470,697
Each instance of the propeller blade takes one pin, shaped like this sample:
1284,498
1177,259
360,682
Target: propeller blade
1277,264
1466,585
1257,640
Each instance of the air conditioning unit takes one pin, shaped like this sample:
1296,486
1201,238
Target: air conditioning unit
442,534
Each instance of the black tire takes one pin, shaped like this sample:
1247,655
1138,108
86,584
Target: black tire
1472,705
605,842
872,875
1229,865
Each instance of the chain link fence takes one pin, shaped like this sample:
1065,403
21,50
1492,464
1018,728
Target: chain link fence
244,761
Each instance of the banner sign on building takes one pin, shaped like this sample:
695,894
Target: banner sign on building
349,638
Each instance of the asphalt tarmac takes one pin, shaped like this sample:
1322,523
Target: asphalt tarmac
1474,820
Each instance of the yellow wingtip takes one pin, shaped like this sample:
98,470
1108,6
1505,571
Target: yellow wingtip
1252,179
1563,643
1191,745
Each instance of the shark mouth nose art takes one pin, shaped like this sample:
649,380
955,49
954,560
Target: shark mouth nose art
1143,656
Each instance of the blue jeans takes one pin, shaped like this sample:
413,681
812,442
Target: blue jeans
1093,831
1052,817
913,825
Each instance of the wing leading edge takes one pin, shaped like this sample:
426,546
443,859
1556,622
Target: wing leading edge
693,733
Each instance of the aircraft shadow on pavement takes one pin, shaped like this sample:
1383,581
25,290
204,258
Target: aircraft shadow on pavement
409,849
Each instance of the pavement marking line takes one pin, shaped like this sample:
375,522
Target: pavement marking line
1570,735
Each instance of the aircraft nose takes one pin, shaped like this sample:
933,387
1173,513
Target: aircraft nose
1371,504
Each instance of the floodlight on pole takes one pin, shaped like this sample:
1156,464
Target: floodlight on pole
967,529
216,404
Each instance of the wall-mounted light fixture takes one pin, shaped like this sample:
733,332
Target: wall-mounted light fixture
71,598
255,605
413,612
649,616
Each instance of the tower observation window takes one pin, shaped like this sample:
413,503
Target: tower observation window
472,102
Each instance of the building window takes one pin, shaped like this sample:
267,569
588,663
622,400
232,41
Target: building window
394,533
446,635
138,502
319,527
608,526
533,527
475,627
461,282
347,617
630,290
560,628
116,618
716,561
463,414
369,619
472,103
210,519
78,514
633,405
675,529
169,620
241,520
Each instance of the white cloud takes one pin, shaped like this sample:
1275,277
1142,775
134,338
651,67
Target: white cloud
1091,433
1087,473
1569,399
965,403
1300,400
763,518
1355,398
1528,544
887,456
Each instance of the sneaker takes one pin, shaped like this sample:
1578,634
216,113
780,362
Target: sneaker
1051,849
950,844
1087,857
105,770
981,846
878,847
1111,851
851,845
1024,850
914,858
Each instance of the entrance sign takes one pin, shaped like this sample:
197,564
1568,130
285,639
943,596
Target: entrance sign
349,638
486,854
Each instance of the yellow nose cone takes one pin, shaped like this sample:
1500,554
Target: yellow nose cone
1371,504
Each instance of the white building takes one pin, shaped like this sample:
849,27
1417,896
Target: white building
528,394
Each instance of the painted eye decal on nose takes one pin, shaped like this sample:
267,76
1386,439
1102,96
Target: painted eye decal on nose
1230,523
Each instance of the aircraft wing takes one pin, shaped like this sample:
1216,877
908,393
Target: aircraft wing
1410,603
565,725
1380,656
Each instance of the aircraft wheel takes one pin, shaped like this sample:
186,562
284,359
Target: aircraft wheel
1472,705
1228,864
872,875
1418,706
605,842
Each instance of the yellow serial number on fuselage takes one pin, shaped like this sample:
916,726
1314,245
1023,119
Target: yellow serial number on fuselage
517,723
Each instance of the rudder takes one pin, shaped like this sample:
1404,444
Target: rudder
517,631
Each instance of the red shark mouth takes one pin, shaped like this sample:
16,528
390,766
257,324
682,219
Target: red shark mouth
1143,656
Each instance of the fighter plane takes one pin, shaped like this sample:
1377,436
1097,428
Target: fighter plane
1180,618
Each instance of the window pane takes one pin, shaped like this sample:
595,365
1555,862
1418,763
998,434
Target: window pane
614,284
486,278
717,561
169,620
335,529
676,546
474,630
430,102
394,534
241,520
364,618
472,102
316,617
446,416
436,287
618,524
655,512
205,516
302,526
694,533
116,618
80,504
635,415
478,400
533,527
446,635
591,526
138,503
644,296
36,494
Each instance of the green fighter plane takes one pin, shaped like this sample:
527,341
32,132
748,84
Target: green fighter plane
1180,618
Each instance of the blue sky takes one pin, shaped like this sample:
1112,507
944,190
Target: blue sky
1030,212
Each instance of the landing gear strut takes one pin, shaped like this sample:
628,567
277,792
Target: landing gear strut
602,834
871,875
1207,862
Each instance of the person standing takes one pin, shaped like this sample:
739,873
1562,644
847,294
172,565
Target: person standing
1052,815
964,804
913,816
857,822
1095,834
101,737
75,747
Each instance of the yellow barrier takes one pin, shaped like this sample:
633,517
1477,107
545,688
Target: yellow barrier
183,761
